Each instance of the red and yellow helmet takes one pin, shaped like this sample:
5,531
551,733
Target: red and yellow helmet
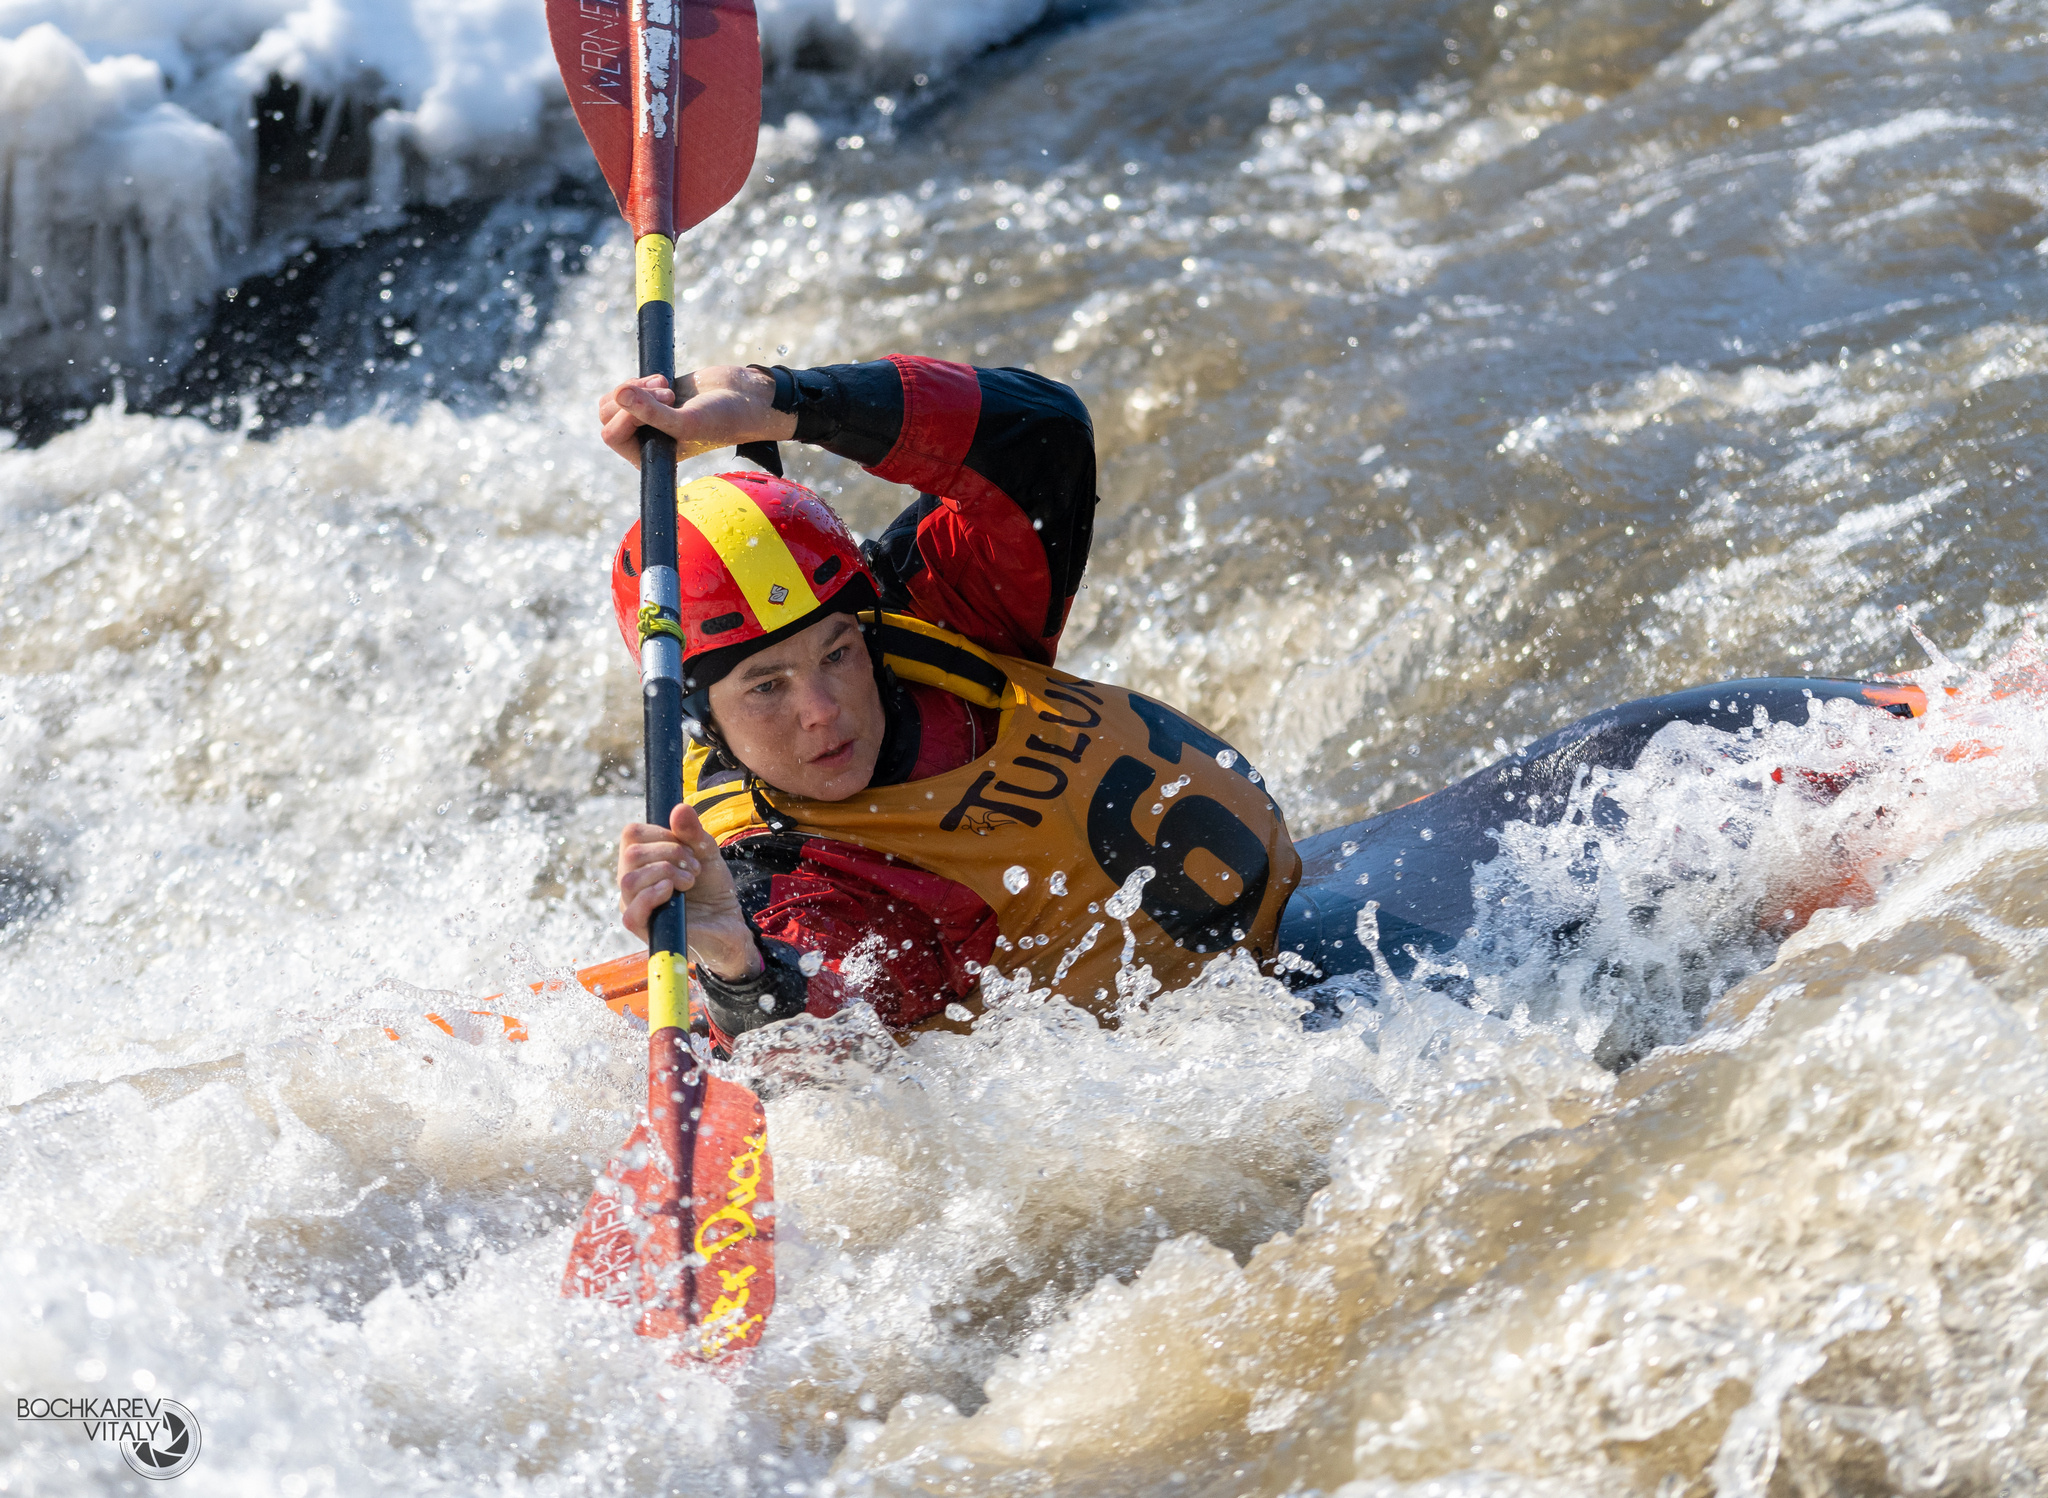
758,558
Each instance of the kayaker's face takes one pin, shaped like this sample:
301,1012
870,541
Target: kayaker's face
805,714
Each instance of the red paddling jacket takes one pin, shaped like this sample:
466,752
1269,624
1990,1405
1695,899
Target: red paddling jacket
1083,783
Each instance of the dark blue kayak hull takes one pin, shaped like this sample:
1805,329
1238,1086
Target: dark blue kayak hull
1423,885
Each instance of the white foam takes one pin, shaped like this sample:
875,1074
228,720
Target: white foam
1827,161
1730,840
907,31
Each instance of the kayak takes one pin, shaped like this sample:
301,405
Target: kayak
1415,864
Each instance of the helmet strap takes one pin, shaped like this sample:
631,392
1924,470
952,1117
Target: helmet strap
697,711
900,724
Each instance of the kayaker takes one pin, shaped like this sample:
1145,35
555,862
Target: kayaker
893,786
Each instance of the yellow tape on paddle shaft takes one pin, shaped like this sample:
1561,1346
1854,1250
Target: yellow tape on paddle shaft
654,268
668,992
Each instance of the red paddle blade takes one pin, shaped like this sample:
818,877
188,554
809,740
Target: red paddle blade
720,106
631,1252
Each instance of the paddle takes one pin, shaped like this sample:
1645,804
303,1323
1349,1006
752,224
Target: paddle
669,96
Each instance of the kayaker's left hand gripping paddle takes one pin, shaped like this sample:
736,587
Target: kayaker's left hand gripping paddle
668,92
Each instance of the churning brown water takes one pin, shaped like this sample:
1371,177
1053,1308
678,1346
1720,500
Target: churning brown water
1457,369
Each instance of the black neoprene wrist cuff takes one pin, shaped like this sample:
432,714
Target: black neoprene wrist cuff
785,385
854,410
778,992
813,397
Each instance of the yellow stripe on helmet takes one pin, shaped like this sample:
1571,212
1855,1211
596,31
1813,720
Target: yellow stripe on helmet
727,516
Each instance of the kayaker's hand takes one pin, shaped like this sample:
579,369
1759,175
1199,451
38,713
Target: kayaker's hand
721,406
656,862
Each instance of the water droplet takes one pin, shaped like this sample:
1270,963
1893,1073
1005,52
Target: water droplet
1057,881
1367,927
1015,877
1124,903
781,349
1226,757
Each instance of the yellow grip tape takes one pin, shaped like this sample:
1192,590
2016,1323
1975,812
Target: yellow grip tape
668,992
654,268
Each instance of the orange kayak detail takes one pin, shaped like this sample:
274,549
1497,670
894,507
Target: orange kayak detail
514,1029
620,981
1902,694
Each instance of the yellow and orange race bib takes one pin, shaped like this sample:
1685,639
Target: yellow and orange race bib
1087,785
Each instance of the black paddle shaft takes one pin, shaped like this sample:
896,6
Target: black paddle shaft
662,698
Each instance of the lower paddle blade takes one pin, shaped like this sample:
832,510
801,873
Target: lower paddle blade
720,120
630,1252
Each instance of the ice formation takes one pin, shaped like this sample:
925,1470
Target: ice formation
119,204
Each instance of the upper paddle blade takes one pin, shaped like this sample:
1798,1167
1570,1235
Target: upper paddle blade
628,1249
720,122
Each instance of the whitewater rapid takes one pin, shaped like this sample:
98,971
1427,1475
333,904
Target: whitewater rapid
1456,370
